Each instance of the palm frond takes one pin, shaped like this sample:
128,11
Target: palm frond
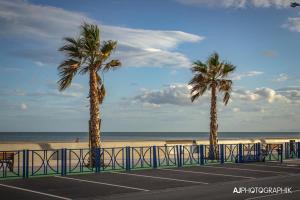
226,87
101,89
101,93
195,96
84,69
107,48
67,70
198,79
91,35
72,47
213,60
199,67
113,64
227,69
226,98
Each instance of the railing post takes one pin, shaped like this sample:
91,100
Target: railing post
25,164
198,152
66,161
177,155
286,150
62,172
298,149
281,156
154,157
180,156
128,158
222,153
241,153
97,161
258,149
201,148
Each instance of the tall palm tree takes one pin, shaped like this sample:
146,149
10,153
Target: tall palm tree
86,54
212,75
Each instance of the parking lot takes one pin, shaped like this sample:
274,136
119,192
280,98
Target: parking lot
196,182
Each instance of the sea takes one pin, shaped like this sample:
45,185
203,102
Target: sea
113,136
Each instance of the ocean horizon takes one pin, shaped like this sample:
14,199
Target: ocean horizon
114,136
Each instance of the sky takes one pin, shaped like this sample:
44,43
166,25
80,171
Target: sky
157,43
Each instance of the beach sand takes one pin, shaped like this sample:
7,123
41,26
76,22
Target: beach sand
8,146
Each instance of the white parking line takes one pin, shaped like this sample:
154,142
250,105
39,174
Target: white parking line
276,166
162,178
217,174
246,169
261,197
33,191
102,183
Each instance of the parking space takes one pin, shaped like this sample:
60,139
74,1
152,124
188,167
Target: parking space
262,169
145,184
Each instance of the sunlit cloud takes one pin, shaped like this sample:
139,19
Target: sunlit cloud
47,24
293,24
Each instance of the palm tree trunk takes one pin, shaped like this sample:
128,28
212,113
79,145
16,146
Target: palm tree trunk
94,127
213,138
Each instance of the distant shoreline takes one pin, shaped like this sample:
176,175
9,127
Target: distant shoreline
70,137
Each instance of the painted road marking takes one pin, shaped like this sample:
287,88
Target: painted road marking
162,178
277,166
246,169
102,183
261,197
217,174
33,191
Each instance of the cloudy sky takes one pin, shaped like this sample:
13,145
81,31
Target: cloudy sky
157,42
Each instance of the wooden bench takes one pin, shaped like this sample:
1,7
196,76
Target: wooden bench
7,158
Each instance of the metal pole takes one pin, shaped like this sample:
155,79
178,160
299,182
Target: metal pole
222,153
240,153
201,154
154,157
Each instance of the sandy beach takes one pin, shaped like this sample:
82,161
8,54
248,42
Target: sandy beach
5,146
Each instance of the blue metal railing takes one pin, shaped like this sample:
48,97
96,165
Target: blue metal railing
167,156
28,163
292,150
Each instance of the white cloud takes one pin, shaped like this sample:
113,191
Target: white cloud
264,94
238,3
176,94
179,94
293,24
246,74
282,77
23,106
292,93
47,24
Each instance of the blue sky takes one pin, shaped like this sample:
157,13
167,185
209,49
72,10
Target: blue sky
158,41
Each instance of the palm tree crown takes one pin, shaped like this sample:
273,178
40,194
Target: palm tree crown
213,73
86,54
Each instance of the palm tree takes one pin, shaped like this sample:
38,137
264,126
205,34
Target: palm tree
86,54
212,75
